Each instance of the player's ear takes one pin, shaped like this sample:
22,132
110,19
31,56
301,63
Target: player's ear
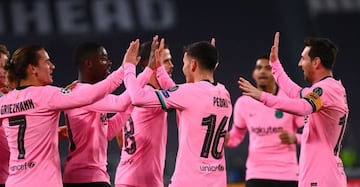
193,65
31,69
316,62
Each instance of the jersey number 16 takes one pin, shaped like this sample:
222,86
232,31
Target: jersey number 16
211,141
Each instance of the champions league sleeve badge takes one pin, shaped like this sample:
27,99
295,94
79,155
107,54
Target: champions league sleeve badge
65,91
318,91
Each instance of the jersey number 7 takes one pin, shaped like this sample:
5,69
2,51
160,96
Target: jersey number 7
21,122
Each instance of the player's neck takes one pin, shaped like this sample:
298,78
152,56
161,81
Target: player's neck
154,83
30,81
269,89
86,78
204,76
322,75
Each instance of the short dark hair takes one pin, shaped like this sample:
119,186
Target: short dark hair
85,51
323,48
20,59
144,54
206,54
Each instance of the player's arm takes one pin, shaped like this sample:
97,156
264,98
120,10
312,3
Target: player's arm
85,95
119,103
301,107
138,96
235,136
117,122
164,79
238,130
119,139
111,103
281,78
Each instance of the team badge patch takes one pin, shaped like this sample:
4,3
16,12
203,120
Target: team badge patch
173,88
65,91
318,91
279,114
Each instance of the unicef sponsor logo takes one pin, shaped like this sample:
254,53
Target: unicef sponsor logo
22,167
210,168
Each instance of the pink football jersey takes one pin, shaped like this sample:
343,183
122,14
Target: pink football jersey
89,132
326,110
143,154
142,145
268,158
30,117
204,110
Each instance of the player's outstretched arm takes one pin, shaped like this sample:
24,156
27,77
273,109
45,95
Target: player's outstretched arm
274,53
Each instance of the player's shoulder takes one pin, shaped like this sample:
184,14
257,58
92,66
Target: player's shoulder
328,85
244,99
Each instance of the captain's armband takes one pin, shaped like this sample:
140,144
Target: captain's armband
314,100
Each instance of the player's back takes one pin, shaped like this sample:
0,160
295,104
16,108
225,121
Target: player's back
31,130
204,114
142,159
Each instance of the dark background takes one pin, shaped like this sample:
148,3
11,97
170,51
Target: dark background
243,31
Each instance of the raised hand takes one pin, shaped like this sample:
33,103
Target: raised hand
248,89
154,46
213,42
159,53
274,54
131,55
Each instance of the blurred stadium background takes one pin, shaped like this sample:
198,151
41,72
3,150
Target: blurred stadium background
243,31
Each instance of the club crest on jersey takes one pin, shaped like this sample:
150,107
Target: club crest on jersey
173,88
279,114
65,91
318,91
